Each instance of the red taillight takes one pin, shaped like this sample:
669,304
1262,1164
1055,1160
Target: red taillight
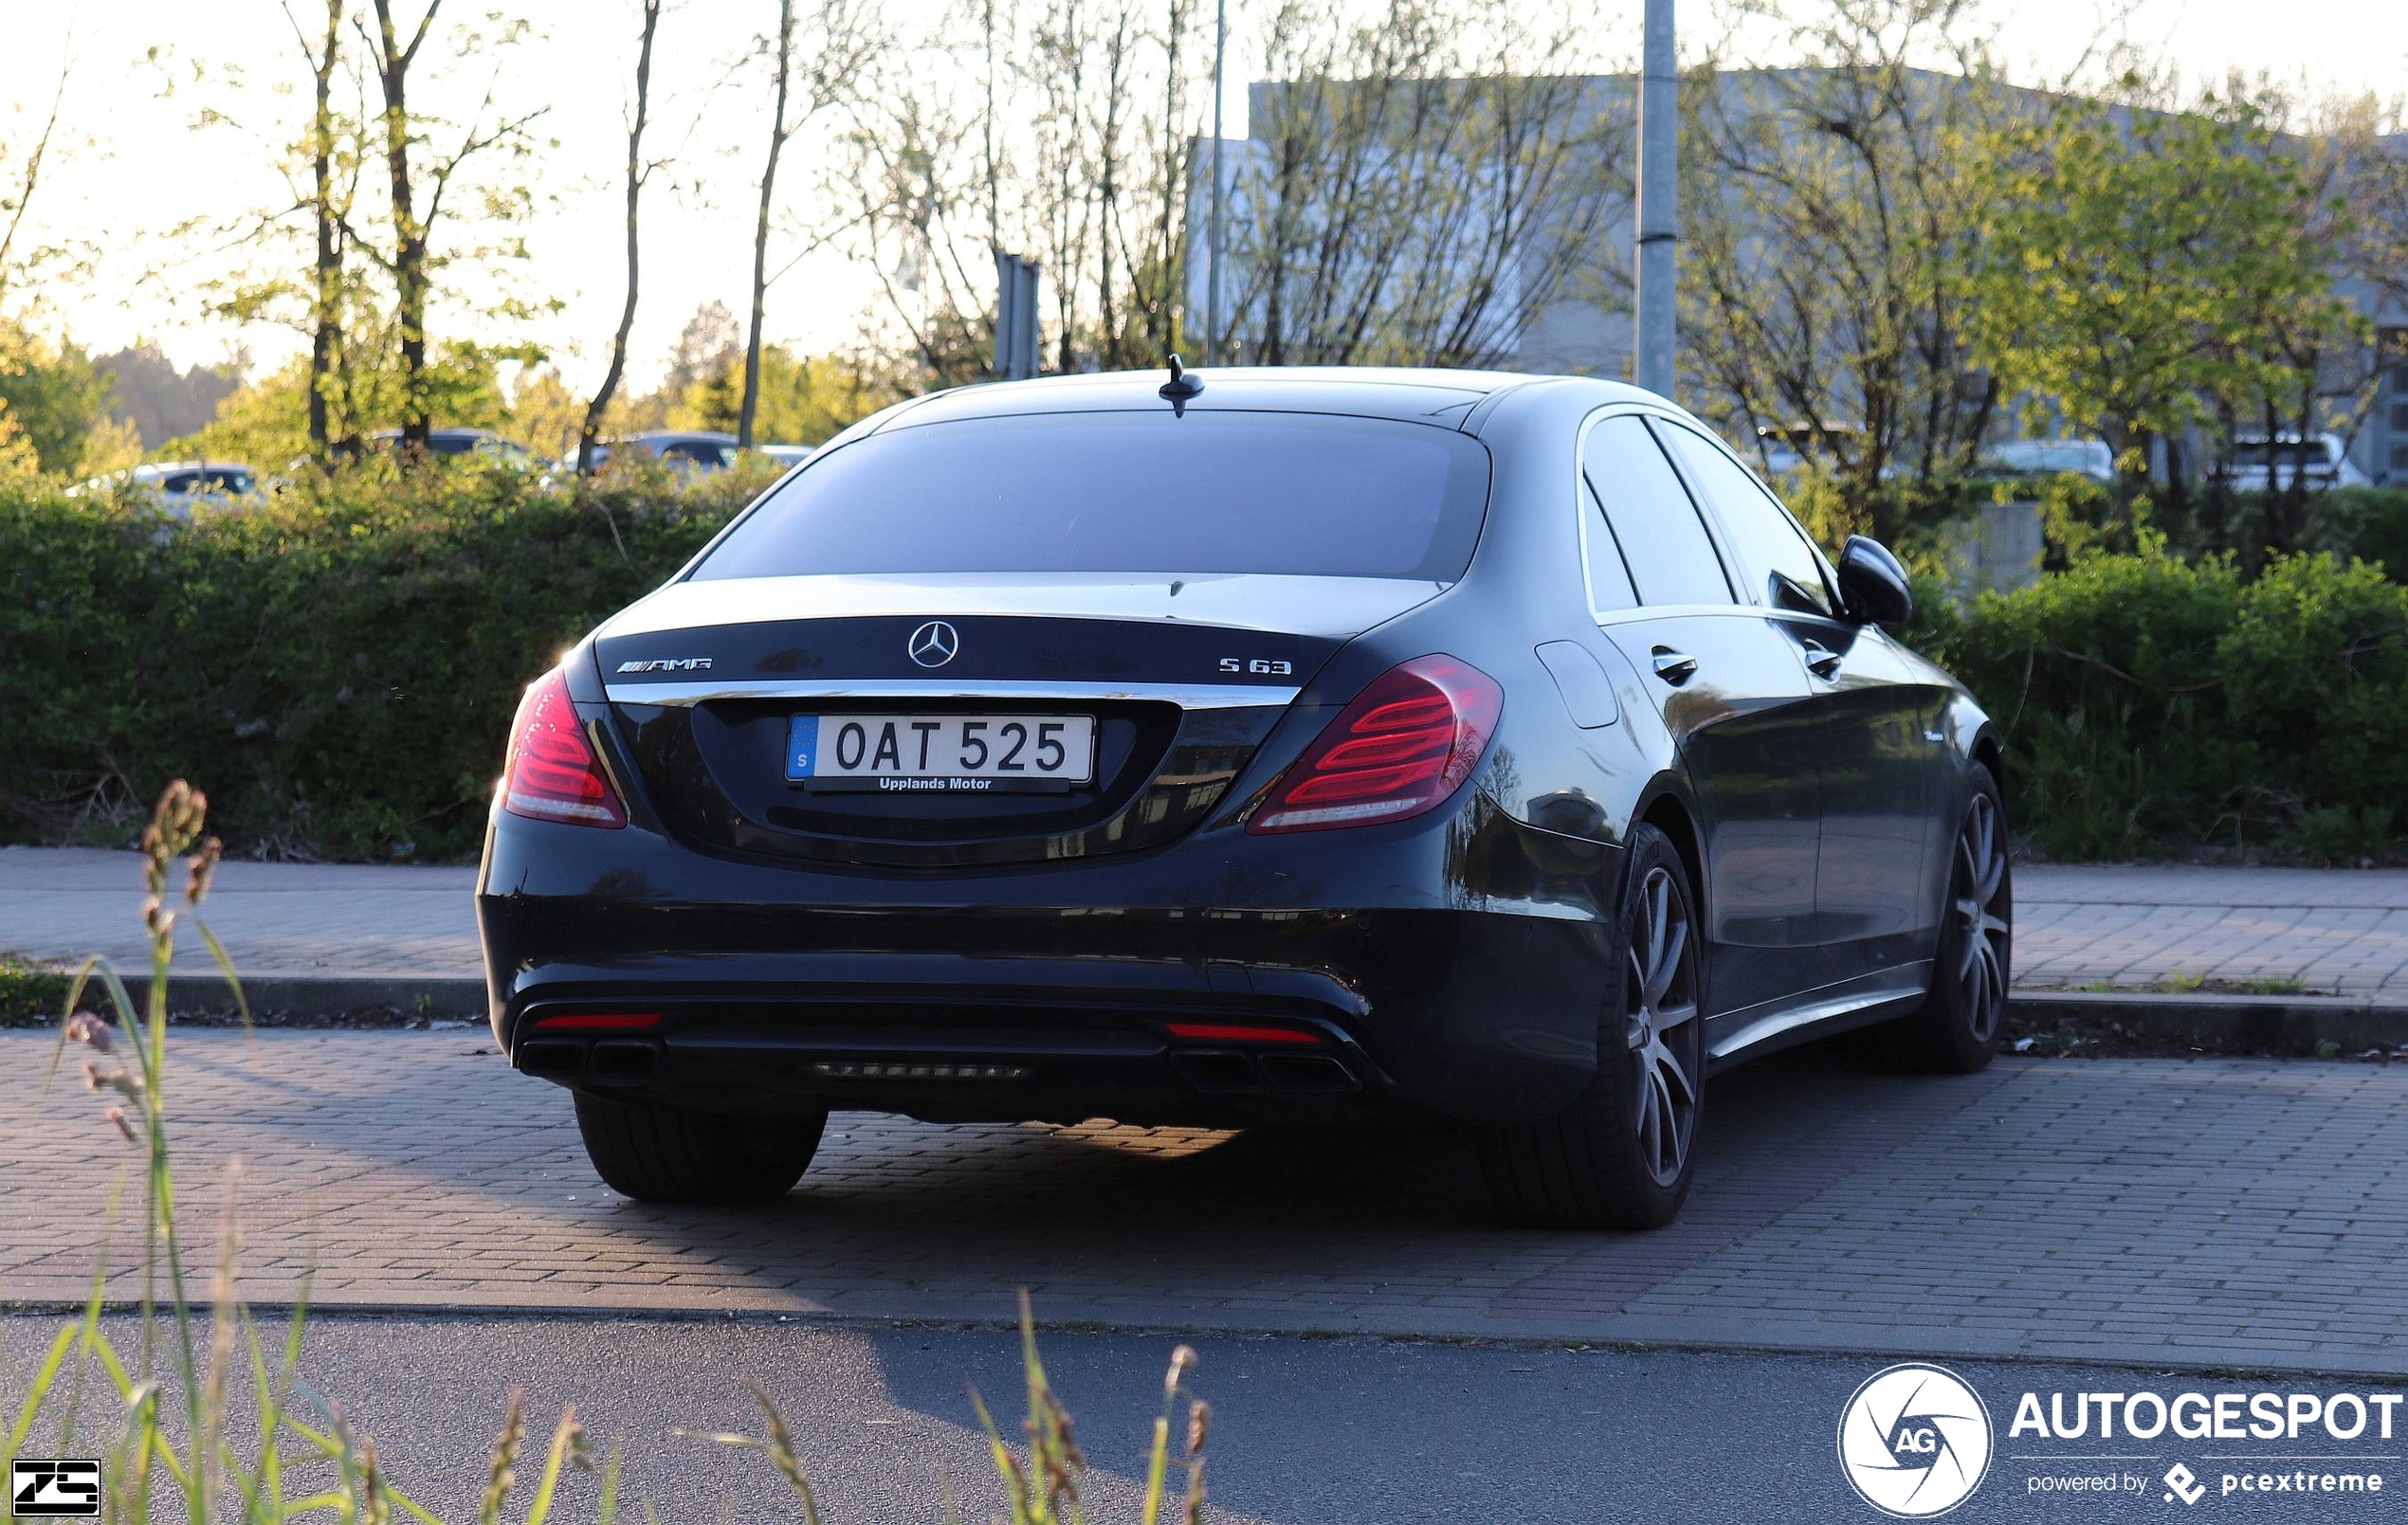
1402,746
552,774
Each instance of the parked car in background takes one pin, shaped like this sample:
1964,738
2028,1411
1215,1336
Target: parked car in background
2261,463
1788,447
180,486
789,456
2049,458
1278,744
466,443
687,450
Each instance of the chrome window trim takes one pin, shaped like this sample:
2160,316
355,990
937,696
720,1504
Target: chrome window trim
1186,696
1715,443
1724,553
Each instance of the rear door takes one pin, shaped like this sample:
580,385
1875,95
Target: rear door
1877,728
1728,681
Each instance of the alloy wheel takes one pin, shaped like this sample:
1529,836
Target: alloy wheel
1977,894
1661,1024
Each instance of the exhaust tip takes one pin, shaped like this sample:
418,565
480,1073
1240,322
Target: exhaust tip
1319,1074
551,1058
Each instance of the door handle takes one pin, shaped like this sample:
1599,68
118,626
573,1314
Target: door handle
1674,668
1820,660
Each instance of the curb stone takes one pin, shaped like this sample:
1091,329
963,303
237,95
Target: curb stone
2280,1024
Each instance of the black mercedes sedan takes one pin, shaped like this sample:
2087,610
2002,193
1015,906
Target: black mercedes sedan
1260,744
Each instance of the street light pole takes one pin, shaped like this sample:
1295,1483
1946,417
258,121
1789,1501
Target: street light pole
1212,279
1655,364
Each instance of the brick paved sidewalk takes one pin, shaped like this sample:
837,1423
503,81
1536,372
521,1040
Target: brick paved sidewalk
2335,930
2238,1212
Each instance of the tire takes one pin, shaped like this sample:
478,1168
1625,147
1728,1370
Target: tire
1622,1155
655,1153
1956,1029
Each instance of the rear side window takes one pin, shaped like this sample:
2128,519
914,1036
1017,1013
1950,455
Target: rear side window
1301,494
1763,530
1609,574
1670,558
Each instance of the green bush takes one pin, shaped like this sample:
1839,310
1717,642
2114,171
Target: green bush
338,666
2151,704
2370,523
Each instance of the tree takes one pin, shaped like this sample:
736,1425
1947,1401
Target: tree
708,345
20,178
1417,190
847,39
1826,264
51,396
638,170
2139,264
160,400
330,198
799,400
415,189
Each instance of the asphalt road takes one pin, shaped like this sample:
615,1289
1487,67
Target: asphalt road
1304,1430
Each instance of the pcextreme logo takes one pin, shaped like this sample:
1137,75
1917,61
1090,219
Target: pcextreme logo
1914,1440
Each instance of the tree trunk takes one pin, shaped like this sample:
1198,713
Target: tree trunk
326,294
635,177
409,234
777,132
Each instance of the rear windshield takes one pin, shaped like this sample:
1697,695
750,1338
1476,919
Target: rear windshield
1302,494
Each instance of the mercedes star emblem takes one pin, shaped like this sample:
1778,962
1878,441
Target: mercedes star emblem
934,643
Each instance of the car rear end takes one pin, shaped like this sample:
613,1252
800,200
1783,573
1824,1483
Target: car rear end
1105,763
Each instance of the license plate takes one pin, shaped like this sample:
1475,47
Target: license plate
941,753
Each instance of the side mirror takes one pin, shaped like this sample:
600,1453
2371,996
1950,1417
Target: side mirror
1873,587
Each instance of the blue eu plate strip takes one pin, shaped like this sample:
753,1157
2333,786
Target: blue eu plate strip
802,746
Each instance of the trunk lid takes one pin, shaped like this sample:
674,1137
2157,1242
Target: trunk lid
1183,677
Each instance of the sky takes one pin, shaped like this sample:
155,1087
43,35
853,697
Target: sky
137,173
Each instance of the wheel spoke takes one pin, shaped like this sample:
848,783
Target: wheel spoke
1974,941
1663,1135
1993,878
1670,966
1650,1115
1659,889
1667,1066
1669,1017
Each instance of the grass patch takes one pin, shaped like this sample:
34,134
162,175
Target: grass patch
2182,984
31,993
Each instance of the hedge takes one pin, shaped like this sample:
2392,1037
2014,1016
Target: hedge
2152,705
338,670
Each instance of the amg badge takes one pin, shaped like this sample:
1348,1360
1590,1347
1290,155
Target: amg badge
668,664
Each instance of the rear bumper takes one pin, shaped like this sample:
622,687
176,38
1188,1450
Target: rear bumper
1377,971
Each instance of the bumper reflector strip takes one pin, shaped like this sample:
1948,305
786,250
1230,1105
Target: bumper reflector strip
1233,1032
847,1069
597,1021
